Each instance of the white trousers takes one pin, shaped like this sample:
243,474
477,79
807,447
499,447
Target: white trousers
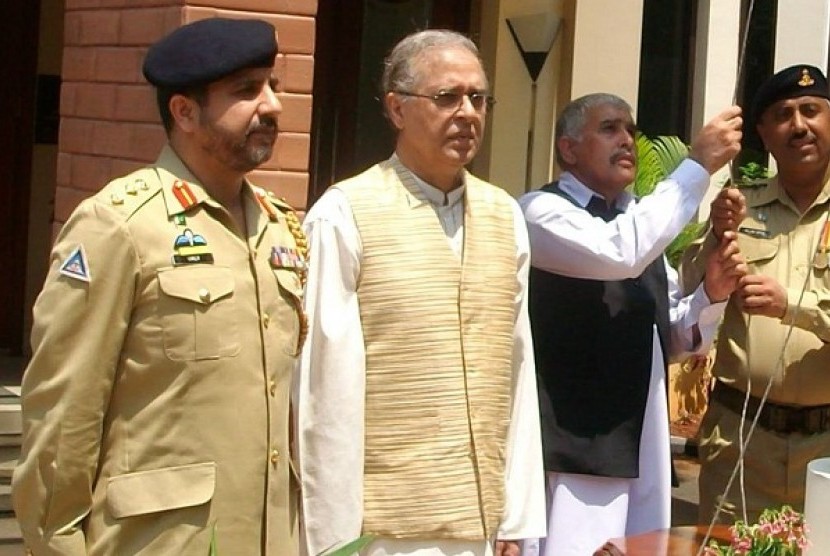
585,511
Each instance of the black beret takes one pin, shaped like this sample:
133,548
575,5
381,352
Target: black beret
795,81
209,49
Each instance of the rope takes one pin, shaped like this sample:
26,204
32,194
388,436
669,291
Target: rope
779,367
740,72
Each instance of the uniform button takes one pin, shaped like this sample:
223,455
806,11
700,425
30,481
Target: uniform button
273,388
275,457
266,320
204,295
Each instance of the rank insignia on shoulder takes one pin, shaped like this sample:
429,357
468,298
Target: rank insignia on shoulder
285,257
754,232
265,204
76,265
183,194
190,248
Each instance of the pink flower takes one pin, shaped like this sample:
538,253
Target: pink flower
780,532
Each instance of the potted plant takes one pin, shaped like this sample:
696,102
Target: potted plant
779,532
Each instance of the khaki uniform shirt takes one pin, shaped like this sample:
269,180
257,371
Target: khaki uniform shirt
156,404
776,241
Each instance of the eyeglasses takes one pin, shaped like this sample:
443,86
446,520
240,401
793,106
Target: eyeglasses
448,100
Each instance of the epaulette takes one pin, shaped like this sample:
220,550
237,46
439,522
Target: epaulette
129,193
278,202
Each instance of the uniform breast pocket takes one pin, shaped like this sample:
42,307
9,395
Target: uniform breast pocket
198,313
757,251
290,282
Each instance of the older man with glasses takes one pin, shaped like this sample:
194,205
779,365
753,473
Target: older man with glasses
418,422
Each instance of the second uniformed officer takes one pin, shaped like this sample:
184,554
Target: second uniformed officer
156,402
773,355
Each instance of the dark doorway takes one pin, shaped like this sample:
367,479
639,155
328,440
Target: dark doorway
665,67
18,39
348,131
758,67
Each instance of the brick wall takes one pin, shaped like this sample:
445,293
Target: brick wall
109,121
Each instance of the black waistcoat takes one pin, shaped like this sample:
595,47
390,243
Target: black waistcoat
593,345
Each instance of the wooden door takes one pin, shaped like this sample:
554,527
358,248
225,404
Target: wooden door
349,132
18,66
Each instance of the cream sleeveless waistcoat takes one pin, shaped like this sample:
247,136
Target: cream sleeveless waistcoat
439,339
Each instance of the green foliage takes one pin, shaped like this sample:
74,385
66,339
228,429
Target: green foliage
346,550
656,159
779,532
353,547
213,551
753,171
688,234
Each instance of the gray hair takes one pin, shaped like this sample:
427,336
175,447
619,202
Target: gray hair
399,68
571,122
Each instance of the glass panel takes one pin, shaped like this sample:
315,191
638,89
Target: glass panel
758,66
384,23
665,54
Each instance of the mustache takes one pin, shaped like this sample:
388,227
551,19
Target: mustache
266,124
800,135
622,153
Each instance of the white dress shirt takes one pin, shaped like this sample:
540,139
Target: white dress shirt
566,240
330,390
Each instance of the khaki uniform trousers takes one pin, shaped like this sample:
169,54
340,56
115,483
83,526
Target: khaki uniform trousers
775,466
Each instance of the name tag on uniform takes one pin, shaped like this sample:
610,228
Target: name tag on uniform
755,232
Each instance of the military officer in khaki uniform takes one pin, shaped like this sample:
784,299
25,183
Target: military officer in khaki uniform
777,324
156,402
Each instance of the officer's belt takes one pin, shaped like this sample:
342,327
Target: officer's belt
780,418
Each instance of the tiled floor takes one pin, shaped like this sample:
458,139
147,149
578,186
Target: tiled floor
685,497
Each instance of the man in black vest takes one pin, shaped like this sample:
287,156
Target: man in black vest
606,315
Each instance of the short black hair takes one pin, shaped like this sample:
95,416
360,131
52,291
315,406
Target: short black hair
164,94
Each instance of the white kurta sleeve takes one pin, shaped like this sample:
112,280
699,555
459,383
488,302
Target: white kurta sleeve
330,383
565,239
524,515
694,319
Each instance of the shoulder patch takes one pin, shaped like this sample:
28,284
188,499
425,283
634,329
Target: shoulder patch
76,265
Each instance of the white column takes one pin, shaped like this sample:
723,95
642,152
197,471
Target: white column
606,57
802,33
715,72
503,158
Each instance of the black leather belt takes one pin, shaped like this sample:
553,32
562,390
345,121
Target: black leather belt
775,417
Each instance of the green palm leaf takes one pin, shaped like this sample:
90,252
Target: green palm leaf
649,169
671,151
656,159
213,551
353,547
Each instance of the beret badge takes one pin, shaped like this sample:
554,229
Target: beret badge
806,80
